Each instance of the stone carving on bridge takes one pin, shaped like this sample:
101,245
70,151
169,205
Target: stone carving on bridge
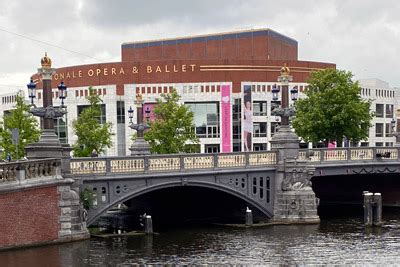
298,178
48,112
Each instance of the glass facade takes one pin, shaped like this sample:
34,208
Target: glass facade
206,119
260,108
61,129
236,125
120,112
379,110
102,117
259,129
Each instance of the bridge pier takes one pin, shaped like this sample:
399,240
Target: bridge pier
38,205
295,201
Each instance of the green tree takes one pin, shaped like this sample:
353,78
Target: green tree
173,127
28,127
91,133
333,109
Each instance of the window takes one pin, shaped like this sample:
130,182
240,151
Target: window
260,147
379,144
274,127
206,119
379,130
120,112
388,130
211,148
60,127
389,111
364,144
260,108
379,111
389,144
260,129
102,117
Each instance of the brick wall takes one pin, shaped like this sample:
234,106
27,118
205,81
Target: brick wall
264,44
28,217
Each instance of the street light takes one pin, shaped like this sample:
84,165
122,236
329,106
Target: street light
284,111
31,91
62,93
48,144
275,92
147,113
294,93
395,133
139,146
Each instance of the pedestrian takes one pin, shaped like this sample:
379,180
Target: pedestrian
94,153
8,158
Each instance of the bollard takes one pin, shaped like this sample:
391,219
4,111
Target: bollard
249,217
368,208
377,209
148,225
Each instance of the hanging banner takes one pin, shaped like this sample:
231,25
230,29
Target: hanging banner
247,119
226,127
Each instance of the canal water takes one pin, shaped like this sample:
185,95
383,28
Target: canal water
336,240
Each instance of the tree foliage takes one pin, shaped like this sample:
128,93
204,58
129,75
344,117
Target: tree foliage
91,133
173,126
333,109
28,127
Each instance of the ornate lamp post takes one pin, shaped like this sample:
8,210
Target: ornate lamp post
49,145
395,133
139,146
293,184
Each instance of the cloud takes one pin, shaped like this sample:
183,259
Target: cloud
359,36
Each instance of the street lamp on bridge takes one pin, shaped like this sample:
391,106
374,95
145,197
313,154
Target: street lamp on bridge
284,111
139,146
395,133
49,144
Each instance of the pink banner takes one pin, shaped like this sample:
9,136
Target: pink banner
226,128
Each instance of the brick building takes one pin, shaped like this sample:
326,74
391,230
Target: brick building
210,73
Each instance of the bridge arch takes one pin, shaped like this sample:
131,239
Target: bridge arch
95,213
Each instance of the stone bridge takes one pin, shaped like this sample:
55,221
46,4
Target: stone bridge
253,176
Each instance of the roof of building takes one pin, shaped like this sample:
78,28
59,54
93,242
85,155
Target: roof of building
209,37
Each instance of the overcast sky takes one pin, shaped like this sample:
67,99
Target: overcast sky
361,36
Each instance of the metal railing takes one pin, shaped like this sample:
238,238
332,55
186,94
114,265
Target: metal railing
174,162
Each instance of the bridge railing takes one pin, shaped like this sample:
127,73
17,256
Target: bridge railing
173,162
350,154
29,170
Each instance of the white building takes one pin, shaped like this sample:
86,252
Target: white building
206,105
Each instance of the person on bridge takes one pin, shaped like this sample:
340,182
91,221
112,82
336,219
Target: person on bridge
94,153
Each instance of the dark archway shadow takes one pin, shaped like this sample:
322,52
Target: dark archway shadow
182,206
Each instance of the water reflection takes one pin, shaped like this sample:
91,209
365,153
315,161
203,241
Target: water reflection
334,241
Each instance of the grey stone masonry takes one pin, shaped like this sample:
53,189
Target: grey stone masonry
72,222
296,207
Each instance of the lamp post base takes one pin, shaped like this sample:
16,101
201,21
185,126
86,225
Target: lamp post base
140,147
48,146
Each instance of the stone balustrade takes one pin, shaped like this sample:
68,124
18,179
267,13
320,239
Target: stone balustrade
185,162
326,155
177,162
29,170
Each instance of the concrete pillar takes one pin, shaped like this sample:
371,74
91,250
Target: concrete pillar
377,209
249,217
148,225
368,208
